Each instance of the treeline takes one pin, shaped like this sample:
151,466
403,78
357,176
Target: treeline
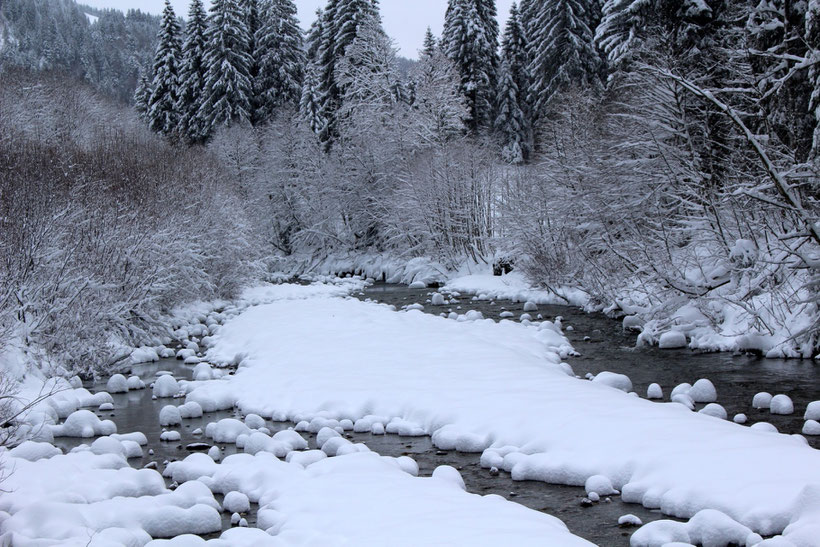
104,227
58,35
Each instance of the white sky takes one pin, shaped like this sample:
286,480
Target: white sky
404,20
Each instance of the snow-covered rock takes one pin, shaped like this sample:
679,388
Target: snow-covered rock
170,436
135,383
762,400
437,299
236,502
599,484
117,384
166,386
529,306
613,379
654,391
169,415
191,409
672,339
703,391
715,410
418,285
781,404
812,411
811,427
83,423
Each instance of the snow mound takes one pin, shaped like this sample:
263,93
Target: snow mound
715,410
762,400
33,451
449,475
169,415
191,409
703,391
812,411
117,384
450,438
85,424
673,339
654,391
166,386
613,379
236,502
135,383
226,430
707,527
600,485
781,404
811,427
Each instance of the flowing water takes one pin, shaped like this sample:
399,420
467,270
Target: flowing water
602,345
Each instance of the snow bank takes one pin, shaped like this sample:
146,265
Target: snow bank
514,286
501,384
365,499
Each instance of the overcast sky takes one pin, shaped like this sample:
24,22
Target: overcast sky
404,20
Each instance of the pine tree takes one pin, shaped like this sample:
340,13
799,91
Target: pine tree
227,80
281,58
470,40
192,73
514,112
162,106
562,50
141,97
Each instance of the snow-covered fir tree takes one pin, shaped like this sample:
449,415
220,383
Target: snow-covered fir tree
340,26
310,103
562,49
281,58
162,112
430,45
470,40
142,95
192,73
513,121
228,89
313,39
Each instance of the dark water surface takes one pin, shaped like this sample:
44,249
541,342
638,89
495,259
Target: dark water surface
602,345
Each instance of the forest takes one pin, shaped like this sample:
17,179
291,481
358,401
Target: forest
660,155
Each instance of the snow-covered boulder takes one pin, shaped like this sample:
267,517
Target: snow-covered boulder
681,388
762,400
254,421
715,410
613,379
781,404
166,386
672,339
117,384
170,436
529,305
437,299
740,418
226,430
811,427
85,424
418,285
135,383
33,451
812,411
236,502
599,484
703,391
169,415
654,391
191,409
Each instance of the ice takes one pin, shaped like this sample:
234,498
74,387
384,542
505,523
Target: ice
166,386
762,400
599,484
654,391
781,404
703,391
613,379
117,384
811,427
83,423
672,339
236,502
169,415
33,451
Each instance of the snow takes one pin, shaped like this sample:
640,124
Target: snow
629,520
614,380
654,391
83,423
166,386
236,502
812,411
811,427
600,485
366,499
191,409
135,383
513,286
117,384
169,415
421,373
703,391
170,436
781,404
672,339
762,400
715,410
33,451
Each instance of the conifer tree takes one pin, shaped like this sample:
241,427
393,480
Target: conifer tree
314,36
162,106
470,40
281,58
563,51
141,97
227,80
310,104
430,45
514,112
192,73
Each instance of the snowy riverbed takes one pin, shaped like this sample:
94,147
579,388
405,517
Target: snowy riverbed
499,389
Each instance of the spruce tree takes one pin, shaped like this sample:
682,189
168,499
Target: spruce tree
281,58
513,121
141,97
563,51
430,45
310,104
340,26
314,36
470,40
227,80
162,112
192,73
